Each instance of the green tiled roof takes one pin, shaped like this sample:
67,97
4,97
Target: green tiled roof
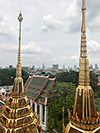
49,84
34,88
40,89
31,94
42,99
38,81
28,81
44,92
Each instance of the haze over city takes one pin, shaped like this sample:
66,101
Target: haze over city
51,32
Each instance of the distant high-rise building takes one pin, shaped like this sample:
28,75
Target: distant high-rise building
91,67
43,66
96,67
33,67
75,67
55,66
63,66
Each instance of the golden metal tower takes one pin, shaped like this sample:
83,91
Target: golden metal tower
83,117
17,115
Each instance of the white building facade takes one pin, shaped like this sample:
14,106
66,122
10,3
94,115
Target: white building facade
37,87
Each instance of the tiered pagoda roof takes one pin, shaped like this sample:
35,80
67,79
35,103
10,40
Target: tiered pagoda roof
17,115
37,88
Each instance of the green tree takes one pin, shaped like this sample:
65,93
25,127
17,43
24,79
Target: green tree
51,75
93,83
64,98
71,76
7,76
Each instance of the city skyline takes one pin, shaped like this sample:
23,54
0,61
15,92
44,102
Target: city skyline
51,32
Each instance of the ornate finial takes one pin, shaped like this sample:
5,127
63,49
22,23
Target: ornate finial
20,18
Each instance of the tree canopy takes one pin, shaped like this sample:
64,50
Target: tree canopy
71,76
64,98
7,76
65,90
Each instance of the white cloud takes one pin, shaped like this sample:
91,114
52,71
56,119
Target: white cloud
51,23
63,58
94,59
74,57
54,59
60,58
44,28
94,23
71,11
93,46
73,17
38,59
30,48
5,26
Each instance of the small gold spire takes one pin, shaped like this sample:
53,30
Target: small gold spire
18,69
83,19
63,121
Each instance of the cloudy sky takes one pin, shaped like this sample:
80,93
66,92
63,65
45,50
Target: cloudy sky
51,32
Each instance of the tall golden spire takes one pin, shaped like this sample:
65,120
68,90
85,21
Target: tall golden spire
84,62
83,117
17,115
18,69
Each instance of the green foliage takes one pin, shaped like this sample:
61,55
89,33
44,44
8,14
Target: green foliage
71,76
64,98
43,72
51,75
97,103
25,76
7,76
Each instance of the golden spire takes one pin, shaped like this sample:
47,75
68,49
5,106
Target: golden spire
83,113
18,69
83,36
63,121
83,19
17,106
84,62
